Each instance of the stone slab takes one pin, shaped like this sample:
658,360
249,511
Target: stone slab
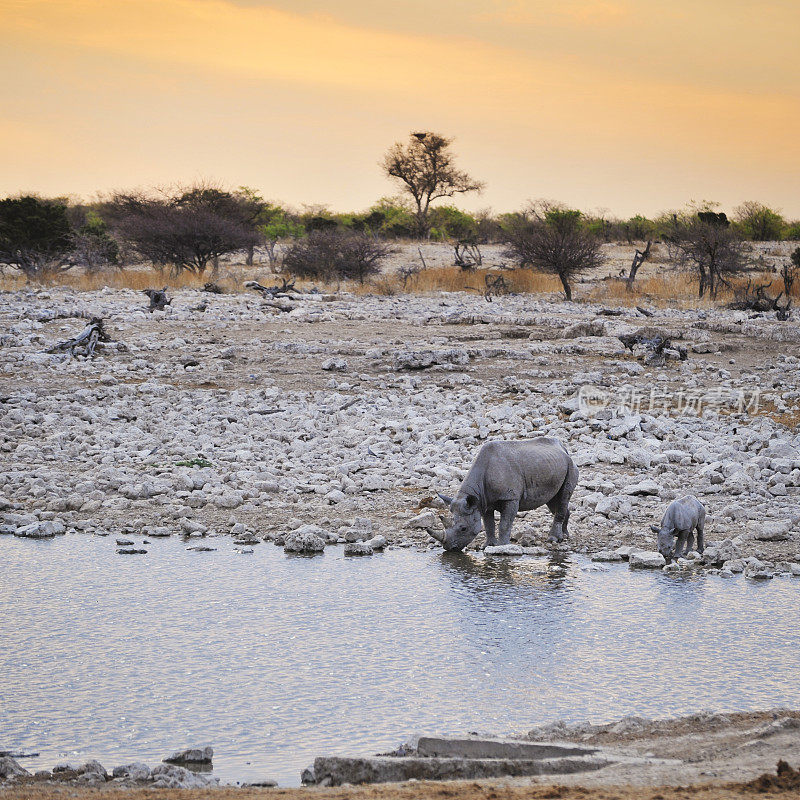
447,747
336,770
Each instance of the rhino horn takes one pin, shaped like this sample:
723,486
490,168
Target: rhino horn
436,535
655,528
444,498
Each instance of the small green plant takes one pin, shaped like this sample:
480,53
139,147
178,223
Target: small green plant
193,462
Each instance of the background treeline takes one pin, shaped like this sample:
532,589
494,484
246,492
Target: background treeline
188,229
191,228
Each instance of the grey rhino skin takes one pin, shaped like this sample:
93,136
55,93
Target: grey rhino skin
680,520
509,477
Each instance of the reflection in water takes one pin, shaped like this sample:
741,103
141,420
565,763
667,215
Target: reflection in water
491,574
273,660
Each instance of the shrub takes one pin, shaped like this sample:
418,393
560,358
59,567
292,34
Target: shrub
758,222
92,246
792,231
390,217
449,222
333,255
639,228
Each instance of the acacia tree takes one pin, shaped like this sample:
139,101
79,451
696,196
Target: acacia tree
187,231
551,238
708,244
425,168
35,235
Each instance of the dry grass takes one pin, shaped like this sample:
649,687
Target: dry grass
668,288
679,288
672,288
119,279
455,279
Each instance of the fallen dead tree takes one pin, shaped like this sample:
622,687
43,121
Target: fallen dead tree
271,291
158,299
85,343
754,297
467,254
653,347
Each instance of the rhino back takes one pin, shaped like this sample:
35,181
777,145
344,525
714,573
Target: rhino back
531,471
684,513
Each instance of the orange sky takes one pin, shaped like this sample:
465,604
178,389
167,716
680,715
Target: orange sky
630,105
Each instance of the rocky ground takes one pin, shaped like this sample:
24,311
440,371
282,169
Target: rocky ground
244,416
704,755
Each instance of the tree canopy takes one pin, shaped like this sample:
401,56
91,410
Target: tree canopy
425,168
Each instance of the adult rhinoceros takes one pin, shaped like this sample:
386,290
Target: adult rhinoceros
509,477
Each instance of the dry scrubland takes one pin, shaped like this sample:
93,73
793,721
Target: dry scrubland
657,281
322,408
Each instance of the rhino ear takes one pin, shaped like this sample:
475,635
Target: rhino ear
655,529
472,501
444,498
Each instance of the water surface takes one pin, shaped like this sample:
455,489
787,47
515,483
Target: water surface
274,659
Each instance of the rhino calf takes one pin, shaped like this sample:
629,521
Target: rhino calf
681,519
509,477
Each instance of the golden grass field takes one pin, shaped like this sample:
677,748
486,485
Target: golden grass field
659,282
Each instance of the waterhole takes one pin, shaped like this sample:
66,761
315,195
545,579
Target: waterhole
274,659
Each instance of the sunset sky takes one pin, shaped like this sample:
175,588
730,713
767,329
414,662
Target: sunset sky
628,105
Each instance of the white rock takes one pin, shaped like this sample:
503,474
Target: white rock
426,521
358,549
720,552
9,768
645,487
734,566
504,550
769,531
135,771
297,542
607,555
171,776
376,542
646,559
335,365
192,755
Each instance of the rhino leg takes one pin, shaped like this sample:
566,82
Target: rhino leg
508,512
559,505
700,537
558,528
559,508
488,525
680,543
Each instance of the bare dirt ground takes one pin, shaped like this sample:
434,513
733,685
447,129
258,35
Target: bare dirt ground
721,756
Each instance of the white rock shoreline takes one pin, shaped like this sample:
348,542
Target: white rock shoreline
236,421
